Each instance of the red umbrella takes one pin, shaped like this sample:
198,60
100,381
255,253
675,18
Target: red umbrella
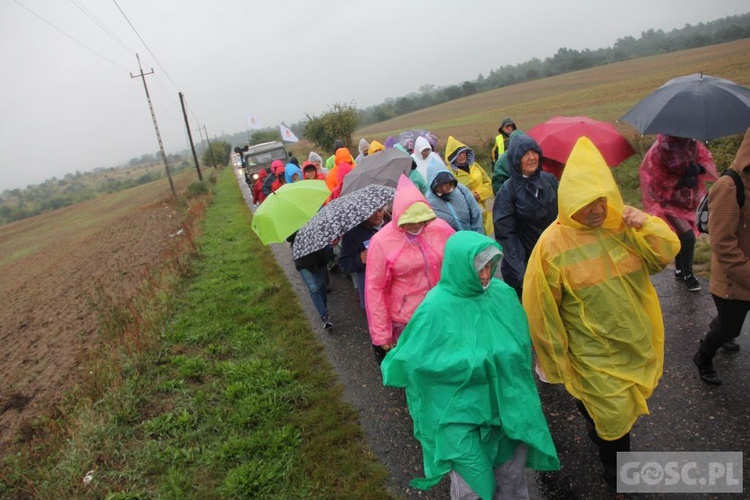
558,135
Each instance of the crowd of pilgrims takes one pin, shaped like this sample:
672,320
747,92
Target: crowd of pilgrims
571,300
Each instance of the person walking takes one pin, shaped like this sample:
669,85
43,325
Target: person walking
352,258
730,262
525,205
673,178
594,315
470,174
313,268
465,362
403,264
507,126
451,201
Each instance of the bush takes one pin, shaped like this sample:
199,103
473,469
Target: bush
197,188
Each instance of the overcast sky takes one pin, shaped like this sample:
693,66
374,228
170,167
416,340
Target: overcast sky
68,101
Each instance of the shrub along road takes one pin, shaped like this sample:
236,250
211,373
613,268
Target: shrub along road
686,414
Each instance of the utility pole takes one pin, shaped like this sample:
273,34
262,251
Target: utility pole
190,136
156,126
210,150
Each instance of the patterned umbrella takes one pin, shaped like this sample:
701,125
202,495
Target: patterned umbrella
339,216
407,138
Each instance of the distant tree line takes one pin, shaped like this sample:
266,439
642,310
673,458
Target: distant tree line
566,60
54,193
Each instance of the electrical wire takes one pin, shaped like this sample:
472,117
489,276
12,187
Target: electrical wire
69,36
102,26
145,44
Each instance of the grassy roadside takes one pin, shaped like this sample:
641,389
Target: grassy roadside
230,395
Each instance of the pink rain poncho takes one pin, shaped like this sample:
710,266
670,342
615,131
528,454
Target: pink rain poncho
401,268
668,190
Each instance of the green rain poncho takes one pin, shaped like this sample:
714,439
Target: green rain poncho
593,313
465,361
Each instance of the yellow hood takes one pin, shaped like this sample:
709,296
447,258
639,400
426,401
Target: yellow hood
587,177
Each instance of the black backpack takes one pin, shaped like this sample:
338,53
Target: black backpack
701,213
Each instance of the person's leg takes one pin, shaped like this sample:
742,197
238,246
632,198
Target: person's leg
726,326
687,249
359,278
321,276
510,477
316,294
608,457
459,490
607,449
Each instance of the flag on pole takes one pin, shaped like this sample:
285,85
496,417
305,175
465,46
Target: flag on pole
286,134
253,122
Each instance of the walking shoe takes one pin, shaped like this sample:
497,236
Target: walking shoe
678,274
692,283
706,369
731,346
327,323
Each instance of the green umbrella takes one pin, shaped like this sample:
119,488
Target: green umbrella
288,209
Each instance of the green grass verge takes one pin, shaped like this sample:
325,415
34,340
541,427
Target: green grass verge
233,399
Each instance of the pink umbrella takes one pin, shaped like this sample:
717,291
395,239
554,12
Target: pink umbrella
558,135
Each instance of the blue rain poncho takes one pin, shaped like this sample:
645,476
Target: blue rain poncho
465,361
594,315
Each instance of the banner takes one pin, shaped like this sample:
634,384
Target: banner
253,122
286,134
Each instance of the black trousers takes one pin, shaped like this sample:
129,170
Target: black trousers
607,449
727,324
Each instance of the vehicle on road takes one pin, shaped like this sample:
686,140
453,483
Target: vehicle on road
260,156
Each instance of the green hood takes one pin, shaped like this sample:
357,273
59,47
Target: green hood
458,275
465,362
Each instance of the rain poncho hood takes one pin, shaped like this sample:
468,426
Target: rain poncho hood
341,156
664,171
458,208
594,315
401,268
420,145
289,170
277,167
476,179
465,362
363,146
376,147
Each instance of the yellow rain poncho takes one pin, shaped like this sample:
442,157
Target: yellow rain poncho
594,315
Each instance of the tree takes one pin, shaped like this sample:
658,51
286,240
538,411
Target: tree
265,135
220,150
338,123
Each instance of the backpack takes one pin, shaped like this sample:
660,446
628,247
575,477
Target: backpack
701,213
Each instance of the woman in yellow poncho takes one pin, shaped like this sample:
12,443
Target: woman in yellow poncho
594,315
460,158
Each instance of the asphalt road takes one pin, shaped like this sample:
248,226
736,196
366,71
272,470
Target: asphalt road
686,414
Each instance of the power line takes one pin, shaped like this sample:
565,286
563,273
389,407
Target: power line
69,36
101,25
145,44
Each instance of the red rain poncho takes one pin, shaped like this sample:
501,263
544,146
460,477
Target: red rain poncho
664,192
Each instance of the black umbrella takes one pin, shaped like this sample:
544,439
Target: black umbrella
339,216
695,106
384,168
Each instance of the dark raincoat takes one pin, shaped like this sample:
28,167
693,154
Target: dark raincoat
523,209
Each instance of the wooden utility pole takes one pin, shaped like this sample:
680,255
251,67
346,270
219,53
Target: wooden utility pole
156,126
190,136
210,150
